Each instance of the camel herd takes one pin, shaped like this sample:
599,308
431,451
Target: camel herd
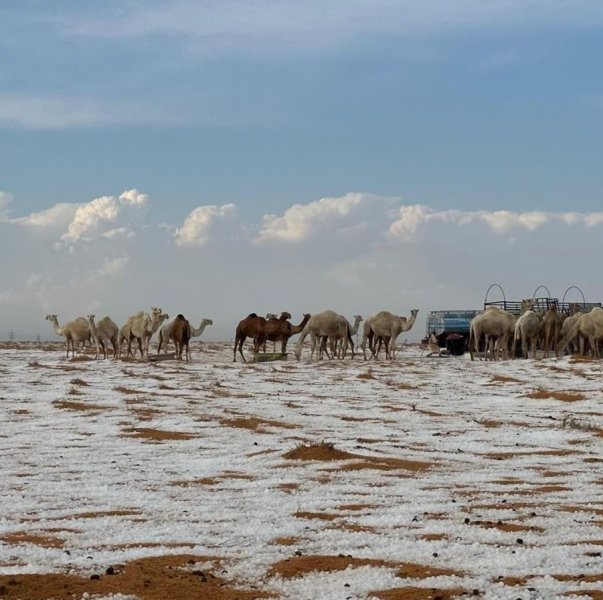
496,332
331,334
326,328
139,329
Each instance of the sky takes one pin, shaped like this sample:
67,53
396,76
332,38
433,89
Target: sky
222,158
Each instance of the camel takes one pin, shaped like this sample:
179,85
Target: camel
389,326
551,325
575,340
326,323
74,332
164,333
527,330
590,325
280,330
333,342
180,333
103,332
141,327
251,326
492,323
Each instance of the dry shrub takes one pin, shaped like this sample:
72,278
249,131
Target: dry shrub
78,381
367,375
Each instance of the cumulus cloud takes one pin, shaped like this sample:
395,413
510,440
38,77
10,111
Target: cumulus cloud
88,217
410,219
59,215
341,216
197,227
133,196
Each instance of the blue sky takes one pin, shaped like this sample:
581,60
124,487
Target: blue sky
468,106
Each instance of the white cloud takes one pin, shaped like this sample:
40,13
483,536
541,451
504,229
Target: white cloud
410,219
236,24
44,111
196,229
133,196
59,215
89,216
114,267
5,200
304,221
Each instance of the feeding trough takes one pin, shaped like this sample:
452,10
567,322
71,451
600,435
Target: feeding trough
161,357
269,356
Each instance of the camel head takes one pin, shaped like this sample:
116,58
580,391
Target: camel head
284,316
414,312
358,318
51,318
90,317
155,311
207,322
268,315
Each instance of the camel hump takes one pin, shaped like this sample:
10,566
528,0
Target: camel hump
252,315
180,317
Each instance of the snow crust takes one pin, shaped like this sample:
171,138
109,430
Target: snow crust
89,476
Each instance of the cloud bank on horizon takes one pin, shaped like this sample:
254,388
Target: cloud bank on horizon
357,253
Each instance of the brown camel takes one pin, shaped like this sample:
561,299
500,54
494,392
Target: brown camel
280,330
180,334
251,326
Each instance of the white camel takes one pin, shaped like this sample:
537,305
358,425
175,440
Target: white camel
590,325
326,323
389,326
528,329
497,326
74,332
103,333
575,340
164,333
141,327
334,342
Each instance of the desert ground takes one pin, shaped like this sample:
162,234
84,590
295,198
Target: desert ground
418,478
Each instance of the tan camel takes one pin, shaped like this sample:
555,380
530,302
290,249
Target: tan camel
551,325
164,333
326,323
140,327
497,326
180,334
103,333
278,330
334,342
528,329
389,326
571,336
74,332
590,325
251,326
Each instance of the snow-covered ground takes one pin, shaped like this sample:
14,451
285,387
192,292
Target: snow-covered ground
488,475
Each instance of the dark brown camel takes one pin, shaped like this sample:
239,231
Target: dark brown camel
180,334
251,326
280,330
